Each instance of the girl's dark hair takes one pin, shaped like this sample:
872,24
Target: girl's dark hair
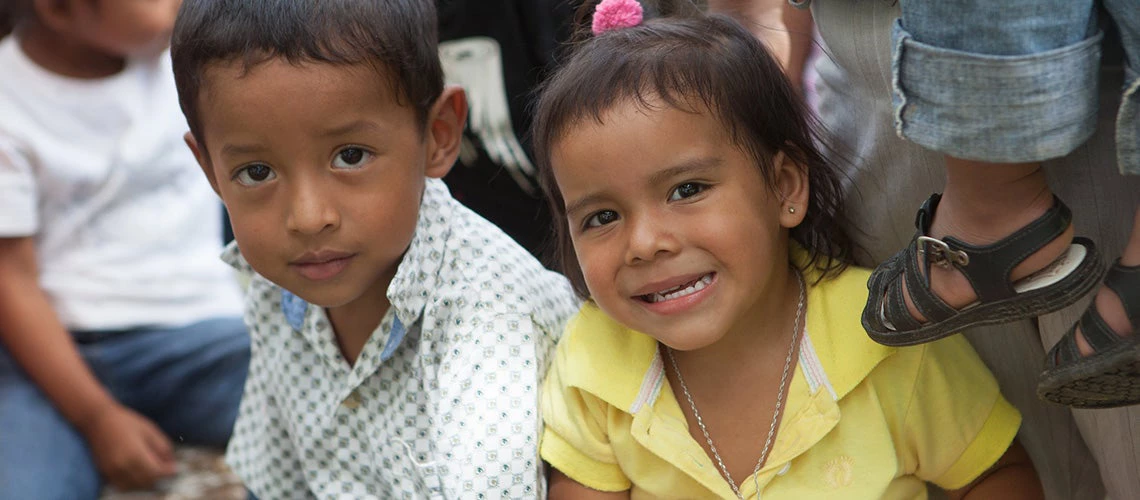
398,37
697,63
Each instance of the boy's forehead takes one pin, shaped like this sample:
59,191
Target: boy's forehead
226,73
247,102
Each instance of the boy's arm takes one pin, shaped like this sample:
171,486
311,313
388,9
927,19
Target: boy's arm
786,30
1012,477
129,450
488,409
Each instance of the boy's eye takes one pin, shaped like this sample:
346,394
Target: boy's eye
252,175
351,157
601,218
686,190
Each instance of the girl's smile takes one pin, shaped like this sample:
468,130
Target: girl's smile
682,298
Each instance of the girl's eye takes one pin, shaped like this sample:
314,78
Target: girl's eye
686,190
252,175
601,218
351,157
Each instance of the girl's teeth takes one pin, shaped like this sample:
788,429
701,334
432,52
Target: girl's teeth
678,292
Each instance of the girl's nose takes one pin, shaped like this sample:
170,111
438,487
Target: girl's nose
649,239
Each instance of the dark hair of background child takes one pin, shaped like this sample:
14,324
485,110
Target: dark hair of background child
695,63
399,38
11,12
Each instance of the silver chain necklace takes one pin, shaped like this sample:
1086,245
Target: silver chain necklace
775,414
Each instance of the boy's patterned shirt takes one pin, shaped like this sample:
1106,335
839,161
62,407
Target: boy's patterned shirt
442,401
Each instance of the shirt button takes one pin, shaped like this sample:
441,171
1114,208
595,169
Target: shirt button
784,469
352,402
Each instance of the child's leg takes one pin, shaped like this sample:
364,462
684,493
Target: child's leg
1097,364
188,380
997,87
41,455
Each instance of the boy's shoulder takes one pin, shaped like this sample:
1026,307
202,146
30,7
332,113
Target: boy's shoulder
480,262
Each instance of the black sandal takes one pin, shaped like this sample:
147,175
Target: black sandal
1110,376
987,268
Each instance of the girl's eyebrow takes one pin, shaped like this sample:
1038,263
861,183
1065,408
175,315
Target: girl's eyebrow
583,202
686,167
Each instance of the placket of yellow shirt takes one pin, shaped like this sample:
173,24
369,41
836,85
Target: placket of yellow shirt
809,417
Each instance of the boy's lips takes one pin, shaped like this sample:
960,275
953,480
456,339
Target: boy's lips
321,265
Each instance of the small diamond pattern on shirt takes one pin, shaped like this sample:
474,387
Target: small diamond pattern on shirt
453,413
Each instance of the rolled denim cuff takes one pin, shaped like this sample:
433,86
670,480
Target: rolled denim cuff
1128,125
1000,109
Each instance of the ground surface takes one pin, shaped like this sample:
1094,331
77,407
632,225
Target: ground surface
201,475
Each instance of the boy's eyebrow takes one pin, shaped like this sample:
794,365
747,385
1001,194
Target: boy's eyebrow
348,128
242,149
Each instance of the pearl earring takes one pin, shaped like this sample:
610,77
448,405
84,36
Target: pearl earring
791,210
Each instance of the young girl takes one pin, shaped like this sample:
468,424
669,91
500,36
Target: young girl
720,353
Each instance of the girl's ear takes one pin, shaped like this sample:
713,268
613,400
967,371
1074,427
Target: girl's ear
445,121
793,188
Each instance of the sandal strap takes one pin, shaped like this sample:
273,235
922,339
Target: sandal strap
1096,331
894,309
1065,351
988,267
928,304
1125,282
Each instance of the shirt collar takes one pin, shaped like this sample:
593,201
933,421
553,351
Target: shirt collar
416,275
836,357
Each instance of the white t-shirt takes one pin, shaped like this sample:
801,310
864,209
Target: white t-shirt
127,230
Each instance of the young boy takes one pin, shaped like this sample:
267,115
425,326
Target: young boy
398,338
120,330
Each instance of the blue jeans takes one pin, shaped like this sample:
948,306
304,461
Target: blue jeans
187,380
1011,81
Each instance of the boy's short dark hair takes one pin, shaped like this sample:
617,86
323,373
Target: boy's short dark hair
399,38
697,63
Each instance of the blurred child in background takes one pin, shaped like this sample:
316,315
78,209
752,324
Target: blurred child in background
119,324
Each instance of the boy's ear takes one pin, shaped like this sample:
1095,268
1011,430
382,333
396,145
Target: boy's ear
793,188
58,15
203,160
446,121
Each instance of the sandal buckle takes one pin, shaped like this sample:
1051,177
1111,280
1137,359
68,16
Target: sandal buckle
940,253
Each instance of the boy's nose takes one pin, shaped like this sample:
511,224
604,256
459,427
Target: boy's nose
311,210
649,239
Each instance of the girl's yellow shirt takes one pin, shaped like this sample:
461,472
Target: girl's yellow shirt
862,420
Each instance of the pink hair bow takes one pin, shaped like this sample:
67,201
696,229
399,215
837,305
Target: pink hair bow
614,14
